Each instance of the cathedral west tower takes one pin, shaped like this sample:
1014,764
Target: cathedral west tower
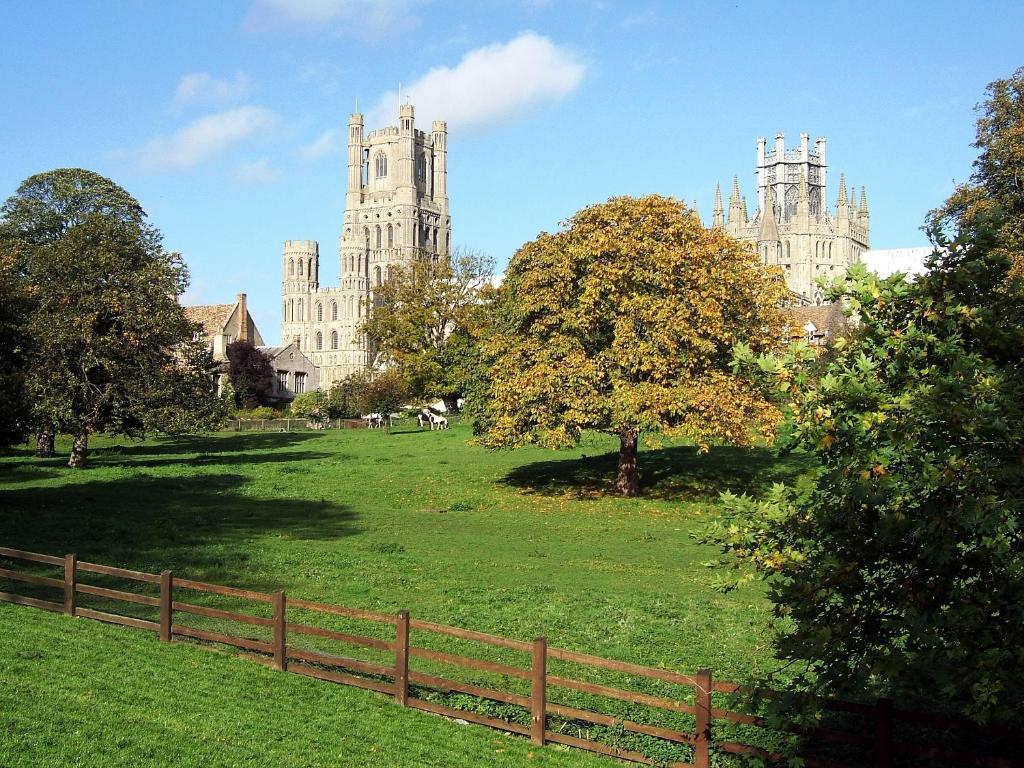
396,211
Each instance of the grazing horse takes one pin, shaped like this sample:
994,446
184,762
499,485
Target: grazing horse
438,422
423,419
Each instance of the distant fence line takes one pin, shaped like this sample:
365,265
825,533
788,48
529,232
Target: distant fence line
292,425
875,733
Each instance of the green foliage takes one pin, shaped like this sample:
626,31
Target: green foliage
250,373
345,397
625,322
259,412
15,305
183,399
310,405
425,319
900,569
385,393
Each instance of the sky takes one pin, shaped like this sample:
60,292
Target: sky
226,119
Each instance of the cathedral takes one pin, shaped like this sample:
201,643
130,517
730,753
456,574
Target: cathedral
792,226
396,210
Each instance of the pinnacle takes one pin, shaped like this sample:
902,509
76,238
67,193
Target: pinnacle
734,198
842,189
718,198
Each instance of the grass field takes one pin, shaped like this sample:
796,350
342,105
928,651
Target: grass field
520,544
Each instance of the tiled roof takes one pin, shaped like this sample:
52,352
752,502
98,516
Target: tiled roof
211,316
826,317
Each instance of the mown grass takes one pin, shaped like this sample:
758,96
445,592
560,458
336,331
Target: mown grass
520,544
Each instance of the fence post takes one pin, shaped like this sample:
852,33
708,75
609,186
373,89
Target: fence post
166,601
280,655
702,702
402,658
539,693
70,579
883,733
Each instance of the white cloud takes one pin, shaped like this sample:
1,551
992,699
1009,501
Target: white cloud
490,85
205,138
367,17
205,88
327,143
256,172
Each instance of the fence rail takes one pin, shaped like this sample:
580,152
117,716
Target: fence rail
876,736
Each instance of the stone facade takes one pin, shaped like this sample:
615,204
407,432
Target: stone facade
798,233
294,373
396,210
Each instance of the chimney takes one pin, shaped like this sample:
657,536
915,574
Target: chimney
243,319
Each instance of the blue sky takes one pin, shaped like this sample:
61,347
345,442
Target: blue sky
224,118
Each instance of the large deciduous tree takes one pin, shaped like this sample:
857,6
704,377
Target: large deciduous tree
424,319
899,569
625,322
103,320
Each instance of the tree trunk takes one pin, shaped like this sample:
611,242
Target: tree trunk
628,482
79,449
44,444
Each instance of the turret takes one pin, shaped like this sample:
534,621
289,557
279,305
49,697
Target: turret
406,187
356,160
864,216
439,138
736,216
718,215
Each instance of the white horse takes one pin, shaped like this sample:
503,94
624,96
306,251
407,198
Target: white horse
438,422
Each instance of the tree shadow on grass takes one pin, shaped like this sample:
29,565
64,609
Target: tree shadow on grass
677,472
214,443
200,526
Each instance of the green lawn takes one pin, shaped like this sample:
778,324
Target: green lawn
520,544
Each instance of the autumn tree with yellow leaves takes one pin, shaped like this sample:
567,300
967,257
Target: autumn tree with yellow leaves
625,322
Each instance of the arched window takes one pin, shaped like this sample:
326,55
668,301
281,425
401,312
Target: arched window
830,249
391,236
301,316
435,238
378,236
334,339
334,310
381,165
376,275
291,267
787,250
421,168
351,307
319,312
366,233
300,267
319,341
291,309
309,268
365,169
284,310
359,307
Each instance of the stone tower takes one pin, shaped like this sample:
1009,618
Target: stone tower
793,226
396,210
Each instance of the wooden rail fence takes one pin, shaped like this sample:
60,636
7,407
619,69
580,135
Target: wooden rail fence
876,735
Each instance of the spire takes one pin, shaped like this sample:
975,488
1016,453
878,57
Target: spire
736,213
743,210
695,212
769,228
863,203
802,195
842,191
717,216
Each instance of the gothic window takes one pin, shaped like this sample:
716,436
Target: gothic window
291,267
309,268
300,267
421,168
291,309
319,312
791,193
787,251
815,202
435,239
376,275
319,341
830,249
334,310
301,317
284,311
378,236
792,173
381,165
334,339
391,236
365,171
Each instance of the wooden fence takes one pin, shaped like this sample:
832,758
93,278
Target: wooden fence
874,734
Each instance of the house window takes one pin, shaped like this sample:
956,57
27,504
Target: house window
282,381
319,341
334,339
300,383
381,163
